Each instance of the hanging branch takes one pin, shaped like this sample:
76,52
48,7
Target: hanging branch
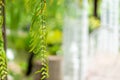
38,32
4,28
3,65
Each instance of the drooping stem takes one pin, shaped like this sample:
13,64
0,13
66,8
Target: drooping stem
38,32
30,64
4,28
95,8
3,62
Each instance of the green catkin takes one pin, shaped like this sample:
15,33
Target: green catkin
38,32
3,65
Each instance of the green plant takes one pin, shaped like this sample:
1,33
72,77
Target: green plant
94,23
16,15
54,41
38,32
55,14
55,20
3,65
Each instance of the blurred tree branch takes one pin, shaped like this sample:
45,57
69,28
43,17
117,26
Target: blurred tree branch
96,8
4,28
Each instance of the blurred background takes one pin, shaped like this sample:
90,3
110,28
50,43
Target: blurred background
82,41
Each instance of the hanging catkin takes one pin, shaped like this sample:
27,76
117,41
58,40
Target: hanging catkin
3,65
38,32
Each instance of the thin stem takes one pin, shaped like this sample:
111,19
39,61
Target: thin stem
4,28
95,8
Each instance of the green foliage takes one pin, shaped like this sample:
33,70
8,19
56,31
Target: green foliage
94,23
3,65
55,14
16,14
55,20
38,33
14,11
54,37
54,41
